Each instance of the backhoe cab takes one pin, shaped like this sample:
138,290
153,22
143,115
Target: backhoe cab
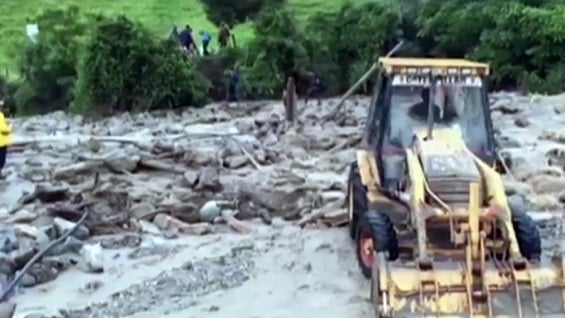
416,95
424,189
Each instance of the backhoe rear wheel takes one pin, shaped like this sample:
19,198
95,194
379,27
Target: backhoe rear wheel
356,198
375,232
527,234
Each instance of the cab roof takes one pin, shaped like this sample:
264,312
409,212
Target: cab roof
401,65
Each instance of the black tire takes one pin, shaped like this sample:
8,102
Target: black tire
527,234
381,229
357,192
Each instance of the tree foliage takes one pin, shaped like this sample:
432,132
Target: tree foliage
48,66
521,39
233,12
277,51
125,68
349,41
103,65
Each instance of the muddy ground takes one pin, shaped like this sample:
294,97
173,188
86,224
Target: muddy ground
162,191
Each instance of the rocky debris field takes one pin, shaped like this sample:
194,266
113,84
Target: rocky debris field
161,189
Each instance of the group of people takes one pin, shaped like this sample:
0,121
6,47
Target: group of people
187,42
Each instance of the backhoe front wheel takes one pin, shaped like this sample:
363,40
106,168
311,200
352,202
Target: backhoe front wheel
375,233
527,234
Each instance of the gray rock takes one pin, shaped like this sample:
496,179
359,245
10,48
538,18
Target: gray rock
139,210
43,273
70,245
504,107
556,157
45,224
22,216
522,122
92,258
544,184
278,223
22,255
237,161
8,239
123,162
7,265
13,191
514,187
190,178
209,211
27,281
148,227
508,142
150,246
47,193
209,179
63,226
121,241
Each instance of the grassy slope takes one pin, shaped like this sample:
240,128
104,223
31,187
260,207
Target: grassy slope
158,15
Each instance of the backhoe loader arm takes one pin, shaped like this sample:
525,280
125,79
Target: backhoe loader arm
496,198
369,173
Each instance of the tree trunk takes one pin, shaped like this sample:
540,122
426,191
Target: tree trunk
290,99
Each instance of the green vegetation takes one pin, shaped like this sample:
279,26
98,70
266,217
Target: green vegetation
158,16
107,56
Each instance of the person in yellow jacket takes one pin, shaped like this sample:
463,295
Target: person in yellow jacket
5,139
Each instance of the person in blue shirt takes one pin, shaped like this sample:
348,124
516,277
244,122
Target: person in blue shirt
206,38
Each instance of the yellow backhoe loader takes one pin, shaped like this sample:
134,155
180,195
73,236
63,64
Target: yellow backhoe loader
427,208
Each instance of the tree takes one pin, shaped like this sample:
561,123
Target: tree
125,68
277,52
48,66
347,42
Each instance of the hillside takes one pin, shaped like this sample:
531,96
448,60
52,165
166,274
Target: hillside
157,15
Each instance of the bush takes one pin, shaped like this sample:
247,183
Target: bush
347,42
214,68
520,38
48,66
527,53
233,12
7,92
125,68
277,52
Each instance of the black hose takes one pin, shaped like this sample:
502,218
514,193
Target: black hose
38,256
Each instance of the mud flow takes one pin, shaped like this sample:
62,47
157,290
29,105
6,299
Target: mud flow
223,211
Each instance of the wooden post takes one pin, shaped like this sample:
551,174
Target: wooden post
289,99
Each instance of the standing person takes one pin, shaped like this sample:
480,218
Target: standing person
315,87
174,35
5,137
206,38
233,82
186,39
224,35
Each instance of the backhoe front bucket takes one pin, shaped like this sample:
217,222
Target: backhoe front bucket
512,291
477,286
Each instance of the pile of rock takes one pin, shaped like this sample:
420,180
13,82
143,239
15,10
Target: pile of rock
165,174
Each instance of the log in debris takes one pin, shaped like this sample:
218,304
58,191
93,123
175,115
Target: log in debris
142,142
332,214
